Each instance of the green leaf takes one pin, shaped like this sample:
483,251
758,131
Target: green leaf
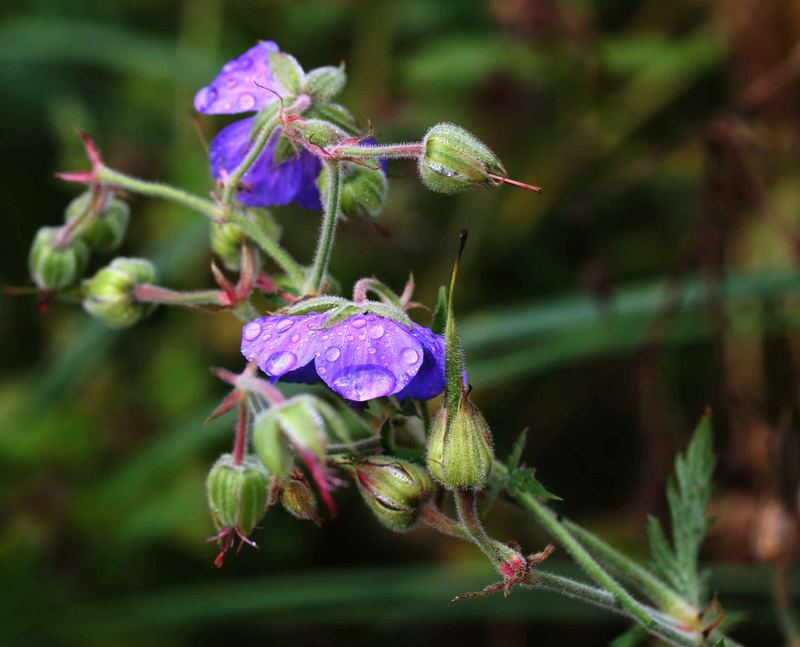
288,71
688,494
516,451
439,318
523,481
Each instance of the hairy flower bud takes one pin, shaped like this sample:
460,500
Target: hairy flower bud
298,499
271,445
363,190
227,238
460,447
455,160
104,231
319,132
109,293
394,489
52,266
323,83
237,494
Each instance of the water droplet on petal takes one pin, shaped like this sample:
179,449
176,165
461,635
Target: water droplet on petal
322,370
284,324
280,363
230,66
232,82
247,101
371,350
364,382
349,337
252,330
362,336
332,354
376,332
207,97
295,338
409,355
359,322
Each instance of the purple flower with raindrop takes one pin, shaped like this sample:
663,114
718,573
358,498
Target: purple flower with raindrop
247,84
363,357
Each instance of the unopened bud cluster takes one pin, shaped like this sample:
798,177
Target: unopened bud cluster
237,494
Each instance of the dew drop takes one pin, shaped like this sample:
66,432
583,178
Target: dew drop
362,336
332,354
252,330
232,82
409,355
376,332
322,370
230,66
207,97
295,338
284,324
349,337
364,382
280,363
247,101
359,322
371,350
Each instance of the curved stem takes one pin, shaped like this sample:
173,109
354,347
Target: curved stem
164,296
471,521
391,151
322,257
159,190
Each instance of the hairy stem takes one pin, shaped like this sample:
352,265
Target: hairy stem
159,190
322,257
392,151
471,521
240,439
164,296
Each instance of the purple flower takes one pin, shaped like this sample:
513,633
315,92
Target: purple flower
363,357
247,84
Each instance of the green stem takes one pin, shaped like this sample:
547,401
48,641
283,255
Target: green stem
392,151
632,572
559,532
270,247
301,104
322,257
159,190
156,294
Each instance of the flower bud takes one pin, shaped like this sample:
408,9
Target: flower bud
105,231
226,238
460,447
237,494
55,267
109,293
454,160
270,444
298,499
394,489
363,190
324,83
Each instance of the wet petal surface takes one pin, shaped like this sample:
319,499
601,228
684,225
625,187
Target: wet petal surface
243,85
280,345
367,356
430,379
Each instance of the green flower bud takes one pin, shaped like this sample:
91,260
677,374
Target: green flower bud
324,83
298,499
108,295
363,190
55,267
394,489
455,160
271,445
336,114
237,494
460,448
226,238
105,231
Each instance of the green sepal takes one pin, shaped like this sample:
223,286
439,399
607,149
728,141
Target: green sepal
237,494
335,114
284,149
106,229
439,318
288,72
324,83
108,295
316,304
270,112
54,268
271,445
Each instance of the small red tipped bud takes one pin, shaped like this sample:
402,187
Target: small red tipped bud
53,264
298,499
109,294
104,230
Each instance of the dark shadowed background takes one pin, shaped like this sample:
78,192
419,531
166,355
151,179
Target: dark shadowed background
656,275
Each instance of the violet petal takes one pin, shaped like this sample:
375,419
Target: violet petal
245,84
367,356
307,191
282,344
430,379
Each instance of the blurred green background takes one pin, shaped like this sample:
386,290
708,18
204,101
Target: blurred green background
655,275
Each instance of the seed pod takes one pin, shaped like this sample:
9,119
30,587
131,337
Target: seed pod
394,489
460,449
237,494
105,231
298,499
454,160
109,293
56,267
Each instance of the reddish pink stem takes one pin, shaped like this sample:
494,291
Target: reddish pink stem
521,185
240,440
